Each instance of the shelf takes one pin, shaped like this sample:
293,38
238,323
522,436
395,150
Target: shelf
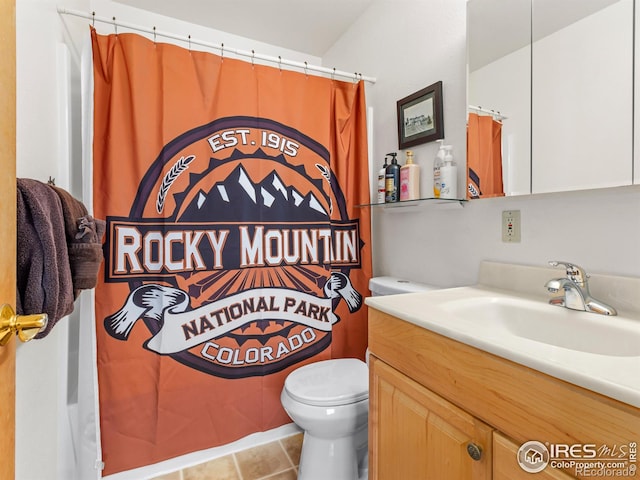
453,202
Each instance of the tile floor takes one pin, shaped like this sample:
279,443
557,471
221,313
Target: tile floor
272,461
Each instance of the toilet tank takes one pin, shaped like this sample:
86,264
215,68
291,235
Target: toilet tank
380,286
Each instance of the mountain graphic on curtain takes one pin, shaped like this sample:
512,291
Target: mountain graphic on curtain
234,252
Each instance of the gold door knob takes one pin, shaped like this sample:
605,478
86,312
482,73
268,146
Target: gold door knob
26,326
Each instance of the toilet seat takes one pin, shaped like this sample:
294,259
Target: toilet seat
329,383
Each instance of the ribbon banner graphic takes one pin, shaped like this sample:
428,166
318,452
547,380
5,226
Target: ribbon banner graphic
183,329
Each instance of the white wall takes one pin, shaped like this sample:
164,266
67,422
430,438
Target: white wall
43,433
410,44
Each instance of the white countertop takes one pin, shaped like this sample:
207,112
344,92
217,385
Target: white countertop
616,375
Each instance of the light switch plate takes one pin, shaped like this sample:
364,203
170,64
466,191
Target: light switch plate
511,226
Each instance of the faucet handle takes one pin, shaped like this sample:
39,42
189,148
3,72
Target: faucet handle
574,272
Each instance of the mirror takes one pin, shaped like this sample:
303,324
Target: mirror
557,75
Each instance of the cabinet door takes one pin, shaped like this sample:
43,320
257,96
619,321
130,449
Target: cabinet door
415,434
505,463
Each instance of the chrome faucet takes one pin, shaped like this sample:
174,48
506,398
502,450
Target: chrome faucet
576,291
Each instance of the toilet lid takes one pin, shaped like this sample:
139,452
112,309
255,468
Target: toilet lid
329,382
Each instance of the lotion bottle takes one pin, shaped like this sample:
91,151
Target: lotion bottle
448,175
409,179
382,173
437,164
392,180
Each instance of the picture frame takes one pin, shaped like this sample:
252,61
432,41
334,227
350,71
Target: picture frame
420,117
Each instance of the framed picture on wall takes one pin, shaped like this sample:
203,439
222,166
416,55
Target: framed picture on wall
420,117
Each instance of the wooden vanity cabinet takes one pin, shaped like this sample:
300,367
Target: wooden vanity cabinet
431,397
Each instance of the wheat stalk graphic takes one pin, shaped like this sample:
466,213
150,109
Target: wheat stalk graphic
171,176
326,173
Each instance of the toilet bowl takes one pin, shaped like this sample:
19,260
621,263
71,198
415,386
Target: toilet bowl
329,400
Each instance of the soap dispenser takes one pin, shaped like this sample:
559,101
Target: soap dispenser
448,175
382,174
392,178
409,179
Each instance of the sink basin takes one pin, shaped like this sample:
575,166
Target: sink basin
540,322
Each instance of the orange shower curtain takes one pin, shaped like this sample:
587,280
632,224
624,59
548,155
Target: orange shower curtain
234,250
484,157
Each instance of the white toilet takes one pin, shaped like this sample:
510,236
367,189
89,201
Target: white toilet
329,400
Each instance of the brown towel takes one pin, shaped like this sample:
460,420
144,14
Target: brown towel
84,240
44,282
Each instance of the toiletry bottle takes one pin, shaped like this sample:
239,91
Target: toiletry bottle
382,173
392,177
448,175
437,163
409,179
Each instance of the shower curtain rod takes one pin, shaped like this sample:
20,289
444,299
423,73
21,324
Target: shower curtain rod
494,113
221,47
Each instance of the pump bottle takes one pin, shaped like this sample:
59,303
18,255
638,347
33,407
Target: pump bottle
392,180
448,175
382,173
409,179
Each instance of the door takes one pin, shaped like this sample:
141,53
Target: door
7,229
416,434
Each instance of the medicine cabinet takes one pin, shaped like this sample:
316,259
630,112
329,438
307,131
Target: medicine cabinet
560,73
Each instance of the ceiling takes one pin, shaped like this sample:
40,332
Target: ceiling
308,26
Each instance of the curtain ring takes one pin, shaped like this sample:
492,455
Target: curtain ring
189,37
154,34
222,51
355,77
115,26
253,56
333,74
305,69
280,63
93,21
